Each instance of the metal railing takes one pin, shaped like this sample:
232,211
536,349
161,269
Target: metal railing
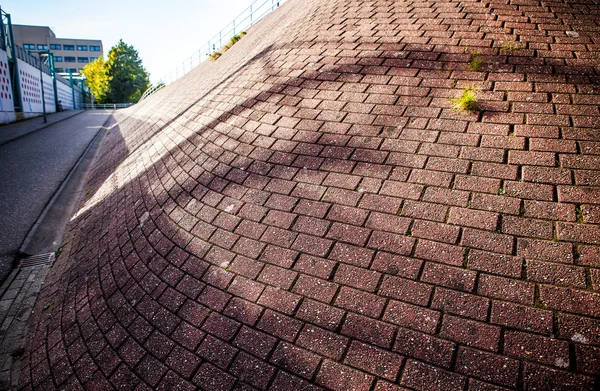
29,58
246,19
105,106
151,90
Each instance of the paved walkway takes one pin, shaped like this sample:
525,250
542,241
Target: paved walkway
308,212
13,131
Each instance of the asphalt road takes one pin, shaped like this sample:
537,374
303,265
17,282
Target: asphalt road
32,168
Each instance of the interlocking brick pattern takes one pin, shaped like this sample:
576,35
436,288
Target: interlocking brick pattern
308,213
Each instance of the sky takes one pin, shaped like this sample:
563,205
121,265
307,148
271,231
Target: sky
165,33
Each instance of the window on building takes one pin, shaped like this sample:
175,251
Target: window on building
69,59
59,70
92,59
28,46
58,59
55,46
82,48
83,59
94,48
72,70
68,47
42,47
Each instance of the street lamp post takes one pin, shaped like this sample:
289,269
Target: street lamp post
42,83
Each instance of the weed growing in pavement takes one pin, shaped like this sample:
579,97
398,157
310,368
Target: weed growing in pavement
579,214
467,102
509,46
48,305
57,252
501,191
237,37
476,61
18,352
232,41
214,56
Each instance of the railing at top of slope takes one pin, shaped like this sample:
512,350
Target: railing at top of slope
246,19
105,106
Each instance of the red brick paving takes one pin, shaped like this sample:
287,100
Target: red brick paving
307,212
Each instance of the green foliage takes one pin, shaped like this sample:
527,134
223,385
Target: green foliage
509,46
476,62
467,102
128,77
228,46
96,74
120,79
579,214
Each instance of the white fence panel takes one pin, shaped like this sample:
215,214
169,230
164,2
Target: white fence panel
65,95
49,93
7,106
31,90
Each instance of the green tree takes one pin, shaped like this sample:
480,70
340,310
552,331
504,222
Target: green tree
128,79
120,79
96,74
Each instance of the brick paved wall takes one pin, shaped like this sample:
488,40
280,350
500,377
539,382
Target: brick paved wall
308,212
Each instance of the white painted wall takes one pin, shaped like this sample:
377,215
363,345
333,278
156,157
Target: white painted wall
65,95
31,91
7,107
49,94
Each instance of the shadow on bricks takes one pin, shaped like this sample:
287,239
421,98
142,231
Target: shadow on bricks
319,217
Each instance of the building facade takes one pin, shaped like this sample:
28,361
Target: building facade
70,54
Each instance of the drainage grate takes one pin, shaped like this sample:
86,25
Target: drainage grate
37,260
